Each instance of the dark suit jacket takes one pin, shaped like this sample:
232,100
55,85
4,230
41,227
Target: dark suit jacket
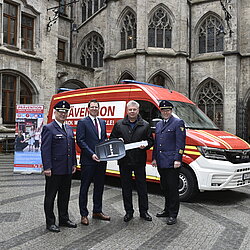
169,142
87,138
58,149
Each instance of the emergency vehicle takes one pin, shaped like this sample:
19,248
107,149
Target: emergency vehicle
212,160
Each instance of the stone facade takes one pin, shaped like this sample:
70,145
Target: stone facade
182,65
38,68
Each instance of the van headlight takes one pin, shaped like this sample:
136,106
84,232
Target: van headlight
213,153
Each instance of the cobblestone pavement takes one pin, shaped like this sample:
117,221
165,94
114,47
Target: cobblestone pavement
215,220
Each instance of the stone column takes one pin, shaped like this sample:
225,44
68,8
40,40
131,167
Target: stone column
231,88
141,42
232,70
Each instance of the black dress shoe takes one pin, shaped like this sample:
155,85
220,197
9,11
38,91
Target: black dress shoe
68,223
128,217
171,220
53,228
163,213
146,216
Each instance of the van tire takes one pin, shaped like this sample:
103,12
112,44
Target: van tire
188,187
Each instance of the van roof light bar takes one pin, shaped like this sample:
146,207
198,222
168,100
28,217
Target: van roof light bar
63,90
137,82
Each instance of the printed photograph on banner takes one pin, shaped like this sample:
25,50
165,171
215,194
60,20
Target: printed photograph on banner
29,123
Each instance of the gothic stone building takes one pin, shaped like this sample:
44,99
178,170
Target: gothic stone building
200,48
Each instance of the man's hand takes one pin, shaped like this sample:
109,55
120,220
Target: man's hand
153,163
95,158
47,172
73,169
177,164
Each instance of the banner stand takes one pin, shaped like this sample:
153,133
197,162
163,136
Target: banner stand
29,122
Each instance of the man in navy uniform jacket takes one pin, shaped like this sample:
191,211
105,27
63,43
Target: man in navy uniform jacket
170,135
59,162
91,130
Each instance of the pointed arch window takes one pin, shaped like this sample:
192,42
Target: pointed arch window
161,79
126,76
90,7
160,29
210,101
93,51
128,31
211,35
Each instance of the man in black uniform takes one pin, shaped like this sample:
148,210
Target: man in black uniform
133,129
59,163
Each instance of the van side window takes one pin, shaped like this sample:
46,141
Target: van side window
148,111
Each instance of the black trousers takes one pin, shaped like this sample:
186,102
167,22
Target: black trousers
170,187
141,185
89,173
57,185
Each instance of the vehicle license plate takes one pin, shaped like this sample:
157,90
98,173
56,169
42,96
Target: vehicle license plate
246,176
245,157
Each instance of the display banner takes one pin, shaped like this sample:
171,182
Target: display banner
29,123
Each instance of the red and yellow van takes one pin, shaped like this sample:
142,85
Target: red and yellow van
213,159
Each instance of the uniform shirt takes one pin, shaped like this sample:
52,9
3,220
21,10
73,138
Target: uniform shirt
60,124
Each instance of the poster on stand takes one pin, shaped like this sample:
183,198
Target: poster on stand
29,123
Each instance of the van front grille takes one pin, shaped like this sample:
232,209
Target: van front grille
238,156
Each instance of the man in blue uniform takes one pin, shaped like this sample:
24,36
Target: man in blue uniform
91,130
59,162
170,135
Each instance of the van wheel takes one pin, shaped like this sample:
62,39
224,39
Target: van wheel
188,187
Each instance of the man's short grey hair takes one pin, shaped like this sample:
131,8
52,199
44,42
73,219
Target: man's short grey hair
133,103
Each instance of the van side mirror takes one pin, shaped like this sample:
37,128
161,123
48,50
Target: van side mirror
154,122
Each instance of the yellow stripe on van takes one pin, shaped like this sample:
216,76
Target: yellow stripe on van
191,152
149,177
191,147
97,93
228,146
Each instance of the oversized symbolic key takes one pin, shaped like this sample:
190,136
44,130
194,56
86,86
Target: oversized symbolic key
115,149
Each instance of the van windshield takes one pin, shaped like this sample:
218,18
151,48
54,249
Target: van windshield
194,118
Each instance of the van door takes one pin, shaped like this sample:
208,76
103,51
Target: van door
150,112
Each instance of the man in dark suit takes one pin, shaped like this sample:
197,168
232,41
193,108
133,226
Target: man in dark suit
91,130
170,135
59,162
